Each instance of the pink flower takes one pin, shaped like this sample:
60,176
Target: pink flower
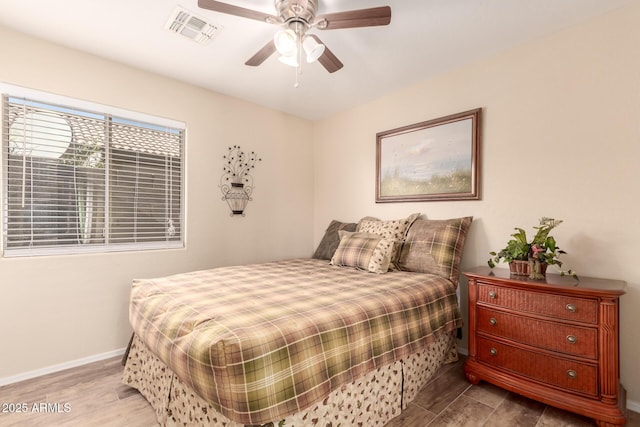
536,250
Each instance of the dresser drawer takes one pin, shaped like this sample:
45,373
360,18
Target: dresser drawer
556,371
518,331
552,305
569,339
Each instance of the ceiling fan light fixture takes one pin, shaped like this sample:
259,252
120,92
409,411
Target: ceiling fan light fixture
312,48
297,17
286,42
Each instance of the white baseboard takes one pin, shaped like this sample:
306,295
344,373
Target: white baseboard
61,367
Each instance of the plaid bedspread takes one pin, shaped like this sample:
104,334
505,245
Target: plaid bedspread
260,342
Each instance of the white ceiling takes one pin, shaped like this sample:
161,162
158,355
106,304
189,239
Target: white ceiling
425,38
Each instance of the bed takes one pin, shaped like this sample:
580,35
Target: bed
349,340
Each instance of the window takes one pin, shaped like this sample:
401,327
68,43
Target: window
78,180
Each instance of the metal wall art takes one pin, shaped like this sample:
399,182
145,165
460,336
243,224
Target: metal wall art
236,182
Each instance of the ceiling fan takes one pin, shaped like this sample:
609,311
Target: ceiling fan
297,17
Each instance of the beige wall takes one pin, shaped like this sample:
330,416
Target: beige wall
561,138
59,309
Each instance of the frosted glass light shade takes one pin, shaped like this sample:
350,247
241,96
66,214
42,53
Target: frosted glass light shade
312,48
291,61
286,42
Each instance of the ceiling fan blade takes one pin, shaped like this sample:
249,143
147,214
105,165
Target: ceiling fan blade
328,60
230,9
355,18
261,55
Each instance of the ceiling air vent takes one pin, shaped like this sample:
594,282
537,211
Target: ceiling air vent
185,23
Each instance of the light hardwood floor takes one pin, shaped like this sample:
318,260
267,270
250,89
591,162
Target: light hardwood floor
93,395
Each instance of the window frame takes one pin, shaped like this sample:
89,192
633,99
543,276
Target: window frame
14,91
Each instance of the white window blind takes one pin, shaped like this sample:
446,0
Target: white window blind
76,180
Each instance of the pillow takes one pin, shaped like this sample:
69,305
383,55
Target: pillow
392,229
330,240
363,251
435,246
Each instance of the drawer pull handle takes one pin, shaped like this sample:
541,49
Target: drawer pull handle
572,374
572,339
493,351
492,294
493,322
571,307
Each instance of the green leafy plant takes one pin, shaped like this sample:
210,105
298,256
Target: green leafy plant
542,247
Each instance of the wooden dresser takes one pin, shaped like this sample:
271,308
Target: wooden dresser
555,340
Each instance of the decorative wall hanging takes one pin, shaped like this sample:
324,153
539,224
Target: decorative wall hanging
434,160
236,183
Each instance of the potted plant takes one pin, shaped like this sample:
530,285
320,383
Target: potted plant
532,258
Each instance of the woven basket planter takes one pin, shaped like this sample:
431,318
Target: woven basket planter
521,268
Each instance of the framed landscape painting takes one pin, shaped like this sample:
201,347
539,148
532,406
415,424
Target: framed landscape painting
433,160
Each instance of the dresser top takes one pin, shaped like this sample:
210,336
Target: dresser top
556,282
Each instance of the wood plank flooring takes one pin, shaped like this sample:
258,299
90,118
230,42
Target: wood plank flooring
93,395
449,400
94,392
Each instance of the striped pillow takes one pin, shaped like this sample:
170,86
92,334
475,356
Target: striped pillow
363,251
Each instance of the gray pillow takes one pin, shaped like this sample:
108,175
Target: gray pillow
331,239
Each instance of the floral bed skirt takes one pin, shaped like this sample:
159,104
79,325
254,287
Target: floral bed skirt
372,400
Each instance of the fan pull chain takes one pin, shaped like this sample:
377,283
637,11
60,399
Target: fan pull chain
299,67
